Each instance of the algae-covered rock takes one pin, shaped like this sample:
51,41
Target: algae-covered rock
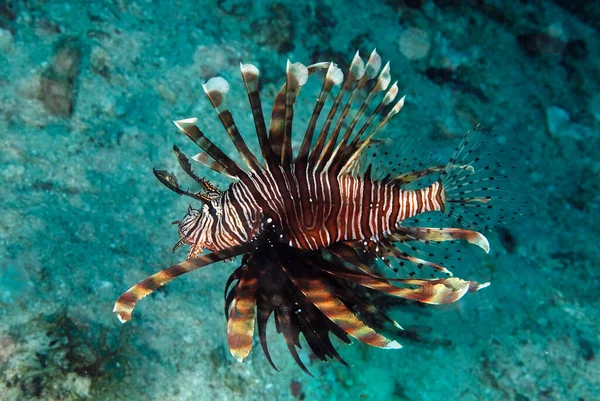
58,81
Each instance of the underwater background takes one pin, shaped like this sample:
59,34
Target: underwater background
88,90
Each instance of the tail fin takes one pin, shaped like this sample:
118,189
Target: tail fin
481,189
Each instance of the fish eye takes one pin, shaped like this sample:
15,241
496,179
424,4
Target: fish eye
210,209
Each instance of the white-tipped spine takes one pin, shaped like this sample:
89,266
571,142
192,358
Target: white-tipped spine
397,107
297,72
334,74
391,94
357,67
384,79
218,84
216,89
393,345
184,123
480,286
373,65
319,66
249,70
250,74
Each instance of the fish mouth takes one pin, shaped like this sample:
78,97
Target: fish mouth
179,243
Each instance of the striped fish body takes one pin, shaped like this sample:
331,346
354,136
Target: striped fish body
308,225
318,209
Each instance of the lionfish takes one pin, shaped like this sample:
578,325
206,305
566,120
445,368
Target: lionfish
317,230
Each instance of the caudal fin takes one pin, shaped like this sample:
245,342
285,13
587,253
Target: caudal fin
480,182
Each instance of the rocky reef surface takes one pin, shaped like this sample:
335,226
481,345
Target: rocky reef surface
88,90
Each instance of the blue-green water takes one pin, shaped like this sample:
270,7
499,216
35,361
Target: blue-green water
87,94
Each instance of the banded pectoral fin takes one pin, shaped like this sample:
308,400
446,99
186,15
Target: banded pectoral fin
331,306
425,234
240,320
439,291
411,176
126,303
429,291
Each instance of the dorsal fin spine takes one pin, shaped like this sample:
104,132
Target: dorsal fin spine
188,127
334,76
216,90
382,83
296,76
250,75
355,73
365,73
362,145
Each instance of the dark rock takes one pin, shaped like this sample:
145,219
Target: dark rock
586,10
235,8
540,44
576,50
319,32
296,388
586,349
32,386
324,54
497,13
521,397
277,31
6,12
406,3
58,89
440,75
455,3
7,16
508,240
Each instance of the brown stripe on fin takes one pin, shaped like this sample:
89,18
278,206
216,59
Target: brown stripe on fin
170,181
296,77
204,159
250,75
368,72
356,71
367,311
342,149
184,162
391,250
290,335
444,234
353,151
277,125
440,291
357,148
126,303
388,98
216,90
264,310
411,176
317,335
334,76
188,127
393,111
240,323
338,313
429,291
347,253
